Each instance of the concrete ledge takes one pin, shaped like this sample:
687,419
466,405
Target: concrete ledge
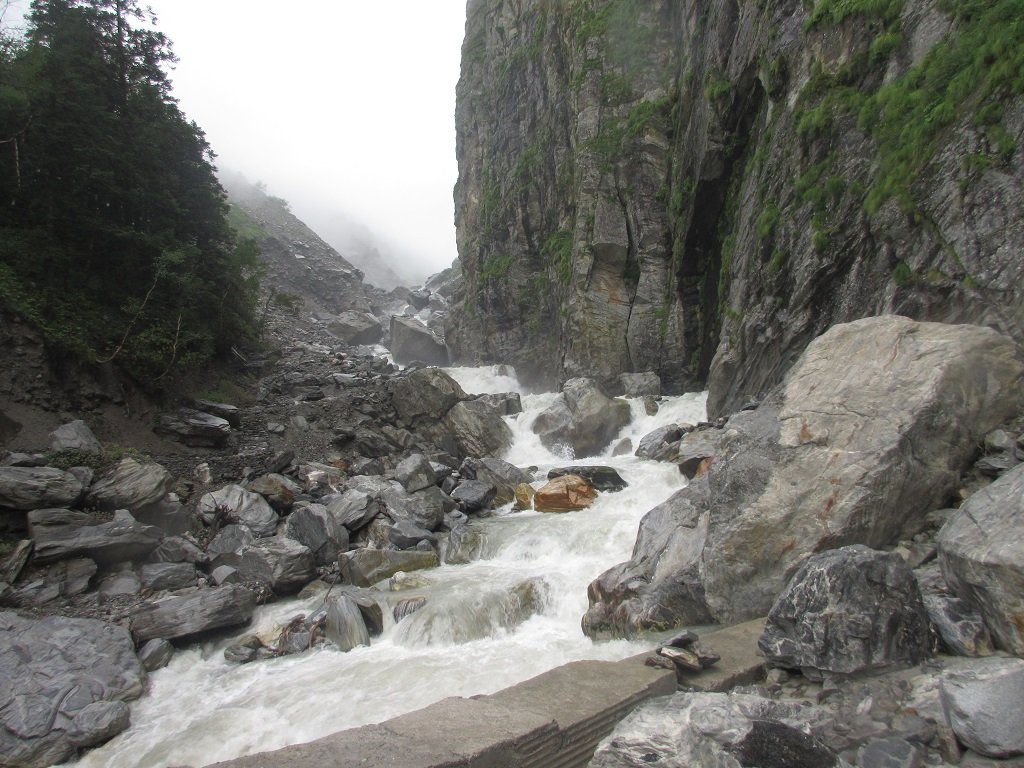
741,662
554,720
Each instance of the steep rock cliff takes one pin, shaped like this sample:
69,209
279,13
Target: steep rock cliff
701,188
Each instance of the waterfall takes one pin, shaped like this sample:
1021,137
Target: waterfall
486,625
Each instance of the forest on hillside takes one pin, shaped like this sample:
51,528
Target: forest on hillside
114,240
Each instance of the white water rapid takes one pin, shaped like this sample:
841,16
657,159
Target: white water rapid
497,621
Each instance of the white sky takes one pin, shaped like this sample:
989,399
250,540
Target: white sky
344,105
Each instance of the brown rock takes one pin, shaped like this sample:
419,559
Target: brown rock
524,496
564,494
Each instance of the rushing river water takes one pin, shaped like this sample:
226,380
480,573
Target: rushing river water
472,637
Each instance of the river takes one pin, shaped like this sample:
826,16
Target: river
472,637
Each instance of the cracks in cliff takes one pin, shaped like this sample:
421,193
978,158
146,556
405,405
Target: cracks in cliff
702,276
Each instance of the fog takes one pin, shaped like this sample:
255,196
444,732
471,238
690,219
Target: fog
345,108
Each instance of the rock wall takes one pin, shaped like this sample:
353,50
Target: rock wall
702,188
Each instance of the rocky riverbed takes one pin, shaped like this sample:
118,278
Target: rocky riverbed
871,508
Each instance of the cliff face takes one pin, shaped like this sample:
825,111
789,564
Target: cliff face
700,188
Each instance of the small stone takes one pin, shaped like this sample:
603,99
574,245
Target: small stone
682,657
156,654
890,753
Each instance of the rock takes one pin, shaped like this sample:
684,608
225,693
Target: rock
424,395
168,576
845,611
524,496
131,485
169,515
415,473
419,298
475,428
411,341
177,549
234,504
15,562
981,552
660,444
503,476
314,527
600,478
868,435
225,574
582,421
278,490
408,606
74,436
714,729
354,508
407,535
356,328
230,413
985,706
994,466
194,614
195,428
156,654
97,723
52,670
284,565
623,448
505,403
959,624
61,533
227,546
64,579
122,582
564,494
463,546
891,753
365,567
28,488
345,626
474,495
640,384
425,508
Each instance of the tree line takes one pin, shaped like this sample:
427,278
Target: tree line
114,240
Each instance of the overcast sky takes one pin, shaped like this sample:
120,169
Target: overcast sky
334,104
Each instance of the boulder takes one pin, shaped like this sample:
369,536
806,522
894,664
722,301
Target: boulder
354,508
415,473
407,535
959,624
411,341
97,723
985,706
715,729
564,494
52,671
130,485
356,328
345,626
61,533
600,478
279,491
284,565
230,413
365,567
524,496
194,428
845,611
64,579
868,434
505,403
28,488
227,546
474,495
981,552
419,298
503,476
316,528
156,654
234,504
74,436
582,421
425,508
474,429
193,614
168,576
424,395
660,444
177,549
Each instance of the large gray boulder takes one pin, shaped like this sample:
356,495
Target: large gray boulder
62,533
284,565
425,395
867,435
131,485
74,436
28,488
715,729
53,673
415,473
313,526
411,341
355,328
474,428
981,551
984,704
193,614
845,611
344,625
582,421
503,476
235,504
365,567
195,428
354,508
425,508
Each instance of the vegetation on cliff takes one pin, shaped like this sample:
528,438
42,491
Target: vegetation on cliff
114,239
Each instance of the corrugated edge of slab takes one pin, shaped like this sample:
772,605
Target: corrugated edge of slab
554,720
